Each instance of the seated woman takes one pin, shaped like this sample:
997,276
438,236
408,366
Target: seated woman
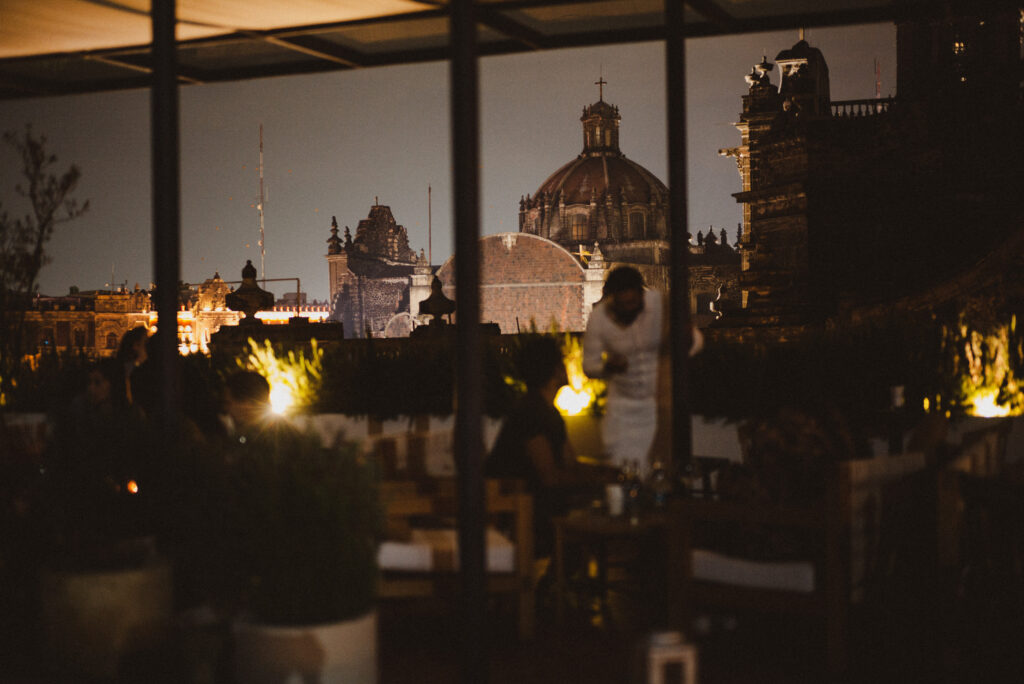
533,445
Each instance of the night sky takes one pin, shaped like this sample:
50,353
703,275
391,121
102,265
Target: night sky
334,142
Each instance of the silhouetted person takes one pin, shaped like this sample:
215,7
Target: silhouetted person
131,353
533,445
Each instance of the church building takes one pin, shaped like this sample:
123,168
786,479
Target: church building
851,203
370,275
598,211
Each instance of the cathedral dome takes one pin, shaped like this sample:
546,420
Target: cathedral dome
595,177
600,197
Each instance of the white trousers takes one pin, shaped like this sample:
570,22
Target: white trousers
628,430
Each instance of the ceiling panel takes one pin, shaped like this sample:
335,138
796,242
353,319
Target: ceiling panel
69,46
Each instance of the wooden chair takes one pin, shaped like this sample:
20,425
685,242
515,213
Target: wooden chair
422,514
840,536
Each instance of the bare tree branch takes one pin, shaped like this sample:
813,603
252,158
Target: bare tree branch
23,240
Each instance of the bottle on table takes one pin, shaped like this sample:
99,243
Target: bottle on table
660,486
633,490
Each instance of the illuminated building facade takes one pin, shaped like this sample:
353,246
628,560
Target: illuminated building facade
94,322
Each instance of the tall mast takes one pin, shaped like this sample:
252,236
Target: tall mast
259,208
430,251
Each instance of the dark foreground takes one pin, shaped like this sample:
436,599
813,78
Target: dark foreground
974,636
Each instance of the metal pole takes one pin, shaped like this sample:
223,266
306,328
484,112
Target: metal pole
469,364
679,282
166,210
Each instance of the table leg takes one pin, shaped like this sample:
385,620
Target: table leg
559,573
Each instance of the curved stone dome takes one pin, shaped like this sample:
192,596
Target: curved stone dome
588,177
600,197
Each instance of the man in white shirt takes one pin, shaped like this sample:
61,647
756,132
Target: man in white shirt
625,337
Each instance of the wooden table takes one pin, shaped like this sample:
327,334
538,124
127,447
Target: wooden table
593,530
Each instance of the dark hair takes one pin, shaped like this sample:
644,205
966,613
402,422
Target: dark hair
539,359
113,372
622,279
126,351
248,385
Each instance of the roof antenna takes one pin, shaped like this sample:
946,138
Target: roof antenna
801,33
259,208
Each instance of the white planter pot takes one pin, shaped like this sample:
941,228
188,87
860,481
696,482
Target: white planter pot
331,653
92,620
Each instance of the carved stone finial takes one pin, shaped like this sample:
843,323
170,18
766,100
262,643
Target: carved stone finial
249,297
437,304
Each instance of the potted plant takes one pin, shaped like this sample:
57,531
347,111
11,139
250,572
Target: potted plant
299,539
105,591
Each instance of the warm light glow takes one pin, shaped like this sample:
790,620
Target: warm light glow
279,317
984,403
571,402
132,487
293,379
581,393
281,398
988,384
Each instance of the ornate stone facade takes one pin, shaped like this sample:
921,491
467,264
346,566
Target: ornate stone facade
370,275
850,203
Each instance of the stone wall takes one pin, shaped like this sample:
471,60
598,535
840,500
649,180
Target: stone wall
526,277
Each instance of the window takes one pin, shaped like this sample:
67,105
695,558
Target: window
111,341
79,338
63,334
578,226
637,224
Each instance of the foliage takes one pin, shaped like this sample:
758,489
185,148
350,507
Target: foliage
983,355
299,526
98,487
387,378
23,240
45,382
849,367
581,395
294,380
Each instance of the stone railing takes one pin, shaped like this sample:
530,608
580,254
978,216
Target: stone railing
857,108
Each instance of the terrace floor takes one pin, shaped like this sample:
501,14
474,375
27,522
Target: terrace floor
950,641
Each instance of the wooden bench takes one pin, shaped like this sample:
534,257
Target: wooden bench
421,557
841,535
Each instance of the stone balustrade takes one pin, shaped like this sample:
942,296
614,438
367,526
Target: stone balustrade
848,109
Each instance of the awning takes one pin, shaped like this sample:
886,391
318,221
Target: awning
58,47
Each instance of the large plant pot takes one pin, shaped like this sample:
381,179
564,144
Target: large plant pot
93,620
331,653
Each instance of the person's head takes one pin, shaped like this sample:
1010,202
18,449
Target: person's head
105,383
246,397
133,346
542,365
624,291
